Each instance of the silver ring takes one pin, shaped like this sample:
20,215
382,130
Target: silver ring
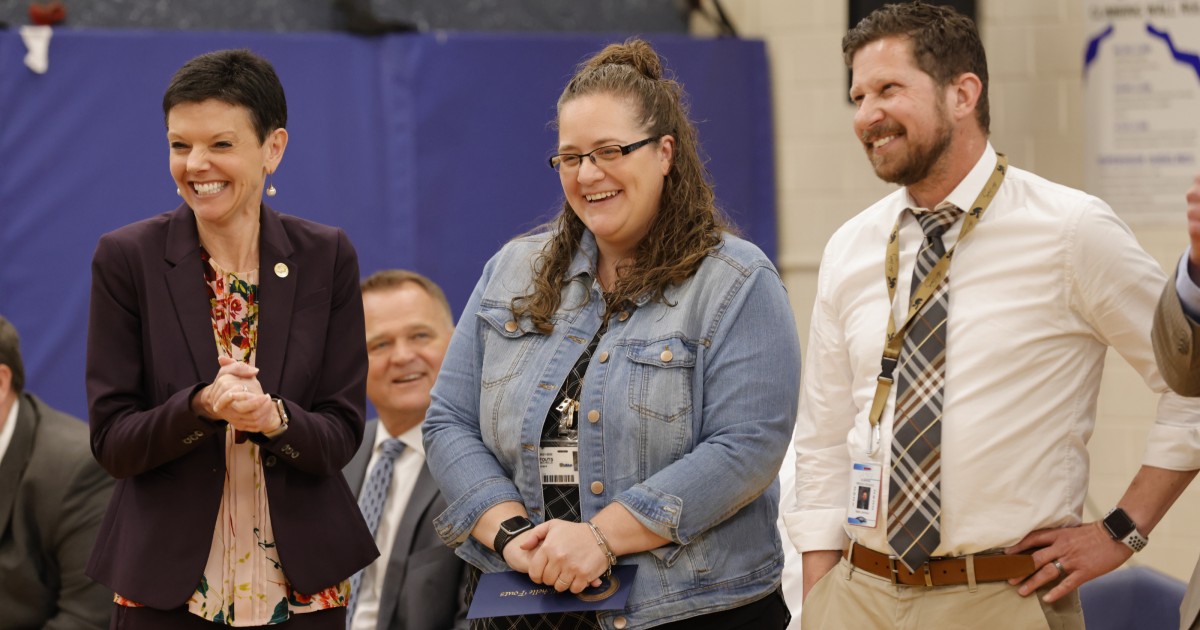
245,389
1058,565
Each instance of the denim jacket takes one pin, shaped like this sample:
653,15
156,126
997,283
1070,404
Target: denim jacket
696,399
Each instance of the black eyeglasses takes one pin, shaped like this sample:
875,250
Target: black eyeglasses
571,161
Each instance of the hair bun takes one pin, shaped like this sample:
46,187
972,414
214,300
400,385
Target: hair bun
634,52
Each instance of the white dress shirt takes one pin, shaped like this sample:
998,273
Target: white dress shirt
404,479
1049,279
1189,293
10,426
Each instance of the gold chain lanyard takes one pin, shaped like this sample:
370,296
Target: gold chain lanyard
895,338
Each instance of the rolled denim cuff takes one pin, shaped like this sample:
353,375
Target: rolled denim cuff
483,558
656,511
454,525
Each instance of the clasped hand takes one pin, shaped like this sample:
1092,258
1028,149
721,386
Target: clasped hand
236,396
560,554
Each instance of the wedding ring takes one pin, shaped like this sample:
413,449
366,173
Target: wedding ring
245,389
562,581
1058,565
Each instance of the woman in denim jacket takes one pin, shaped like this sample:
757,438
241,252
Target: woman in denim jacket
625,380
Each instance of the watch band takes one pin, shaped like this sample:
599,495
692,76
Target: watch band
509,530
283,420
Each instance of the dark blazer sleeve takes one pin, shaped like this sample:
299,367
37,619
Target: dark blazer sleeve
136,424
1176,346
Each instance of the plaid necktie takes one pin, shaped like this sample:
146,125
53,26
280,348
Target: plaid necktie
371,502
914,503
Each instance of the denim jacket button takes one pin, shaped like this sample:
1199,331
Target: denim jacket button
622,316
594,416
510,326
666,356
620,622
597,487
604,356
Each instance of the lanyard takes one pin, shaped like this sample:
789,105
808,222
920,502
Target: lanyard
895,337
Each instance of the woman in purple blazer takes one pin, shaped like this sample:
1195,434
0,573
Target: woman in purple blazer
225,373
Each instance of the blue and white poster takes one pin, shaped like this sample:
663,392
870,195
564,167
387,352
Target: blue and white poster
1142,103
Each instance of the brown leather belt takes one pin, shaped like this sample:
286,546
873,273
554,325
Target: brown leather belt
940,571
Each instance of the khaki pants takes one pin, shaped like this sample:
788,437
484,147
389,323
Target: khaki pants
868,601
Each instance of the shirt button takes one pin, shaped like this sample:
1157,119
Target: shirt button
270,461
666,356
622,316
620,622
593,416
597,487
510,326
604,356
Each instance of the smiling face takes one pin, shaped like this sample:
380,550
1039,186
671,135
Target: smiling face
407,335
903,117
217,161
617,200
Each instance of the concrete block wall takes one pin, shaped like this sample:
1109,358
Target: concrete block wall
1035,51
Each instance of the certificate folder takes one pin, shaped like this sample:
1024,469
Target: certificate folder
512,593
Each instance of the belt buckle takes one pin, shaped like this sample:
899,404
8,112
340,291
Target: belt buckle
895,572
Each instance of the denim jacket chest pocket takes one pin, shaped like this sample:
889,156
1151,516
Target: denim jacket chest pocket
661,378
506,345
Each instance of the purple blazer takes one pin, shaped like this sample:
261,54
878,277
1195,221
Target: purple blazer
151,348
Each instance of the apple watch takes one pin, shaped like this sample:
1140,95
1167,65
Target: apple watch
283,420
509,530
1124,530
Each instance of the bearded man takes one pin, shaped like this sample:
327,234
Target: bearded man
956,349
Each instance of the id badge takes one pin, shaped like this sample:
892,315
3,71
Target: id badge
863,508
559,462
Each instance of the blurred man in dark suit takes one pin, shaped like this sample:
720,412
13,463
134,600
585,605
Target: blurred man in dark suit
52,497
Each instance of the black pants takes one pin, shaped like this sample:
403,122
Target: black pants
768,613
126,618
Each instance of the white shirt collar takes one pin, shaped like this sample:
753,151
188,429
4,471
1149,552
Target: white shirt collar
411,438
10,426
965,193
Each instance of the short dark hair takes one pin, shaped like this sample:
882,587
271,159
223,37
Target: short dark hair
945,44
10,354
395,278
238,77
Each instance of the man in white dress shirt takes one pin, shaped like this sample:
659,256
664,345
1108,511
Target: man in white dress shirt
1038,282
417,582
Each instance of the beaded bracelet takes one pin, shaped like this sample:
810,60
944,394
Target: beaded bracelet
603,543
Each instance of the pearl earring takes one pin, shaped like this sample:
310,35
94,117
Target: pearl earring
271,185
178,192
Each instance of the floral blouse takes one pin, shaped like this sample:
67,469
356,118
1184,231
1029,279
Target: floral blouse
243,582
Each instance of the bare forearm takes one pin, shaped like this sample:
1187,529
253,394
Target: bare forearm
625,534
816,565
1151,493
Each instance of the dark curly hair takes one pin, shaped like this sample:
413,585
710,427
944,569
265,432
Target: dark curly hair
687,226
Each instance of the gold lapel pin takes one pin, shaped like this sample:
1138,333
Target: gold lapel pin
281,270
